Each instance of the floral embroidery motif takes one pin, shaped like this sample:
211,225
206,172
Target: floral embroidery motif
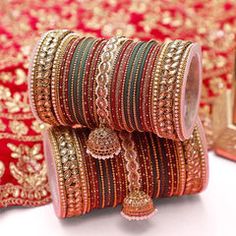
13,102
2,169
18,127
28,172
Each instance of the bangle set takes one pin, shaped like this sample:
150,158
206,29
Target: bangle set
133,100
116,84
80,183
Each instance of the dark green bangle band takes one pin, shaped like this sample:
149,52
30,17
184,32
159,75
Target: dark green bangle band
138,82
132,89
71,79
127,80
85,49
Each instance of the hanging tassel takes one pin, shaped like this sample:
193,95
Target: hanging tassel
138,206
103,143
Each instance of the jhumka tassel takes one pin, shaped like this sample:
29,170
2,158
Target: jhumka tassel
103,142
137,205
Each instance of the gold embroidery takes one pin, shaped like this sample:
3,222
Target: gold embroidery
28,172
16,195
13,102
217,85
27,138
20,77
2,169
23,116
38,126
206,118
6,77
18,127
2,126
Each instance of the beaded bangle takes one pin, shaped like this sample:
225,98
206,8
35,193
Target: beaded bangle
119,181
170,168
110,184
114,101
150,168
75,70
137,89
114,184
181,168
92,184
143,168
155,165
174,168
161,164
102,184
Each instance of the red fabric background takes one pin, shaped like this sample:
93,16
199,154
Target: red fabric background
22,168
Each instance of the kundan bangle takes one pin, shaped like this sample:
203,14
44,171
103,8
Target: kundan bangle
41,72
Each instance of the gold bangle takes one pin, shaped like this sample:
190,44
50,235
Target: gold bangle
41,76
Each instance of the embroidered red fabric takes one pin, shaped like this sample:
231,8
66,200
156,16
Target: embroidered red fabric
23,178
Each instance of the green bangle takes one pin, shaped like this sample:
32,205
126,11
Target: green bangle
71,80
83,56
127,80
138,82
135,68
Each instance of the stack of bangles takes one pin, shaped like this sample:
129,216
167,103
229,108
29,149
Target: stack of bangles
80,183
124,121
